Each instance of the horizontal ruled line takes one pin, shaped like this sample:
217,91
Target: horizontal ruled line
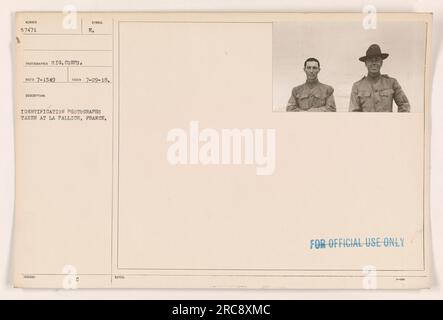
67,82
44,66
67,49
67,34
227,275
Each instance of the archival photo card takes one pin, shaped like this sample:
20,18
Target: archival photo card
170,150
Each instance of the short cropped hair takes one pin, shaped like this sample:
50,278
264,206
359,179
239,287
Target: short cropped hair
312,59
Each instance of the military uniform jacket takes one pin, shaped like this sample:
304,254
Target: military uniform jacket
312,97
377,96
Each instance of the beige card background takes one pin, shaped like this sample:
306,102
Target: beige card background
102,198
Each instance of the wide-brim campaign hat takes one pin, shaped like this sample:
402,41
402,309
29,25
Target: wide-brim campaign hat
373,51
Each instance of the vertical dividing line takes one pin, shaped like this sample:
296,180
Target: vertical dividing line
112,157
425,147
118,141
272,67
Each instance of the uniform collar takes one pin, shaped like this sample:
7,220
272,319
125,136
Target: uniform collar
312,83
376,79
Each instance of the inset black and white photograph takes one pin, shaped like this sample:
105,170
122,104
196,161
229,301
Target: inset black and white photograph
345,66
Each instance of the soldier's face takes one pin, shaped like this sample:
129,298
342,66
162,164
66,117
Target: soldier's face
311,69
374,65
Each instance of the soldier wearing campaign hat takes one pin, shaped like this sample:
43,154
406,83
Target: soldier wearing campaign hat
376,92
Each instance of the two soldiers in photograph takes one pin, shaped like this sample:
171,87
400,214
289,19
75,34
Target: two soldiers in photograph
375,92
